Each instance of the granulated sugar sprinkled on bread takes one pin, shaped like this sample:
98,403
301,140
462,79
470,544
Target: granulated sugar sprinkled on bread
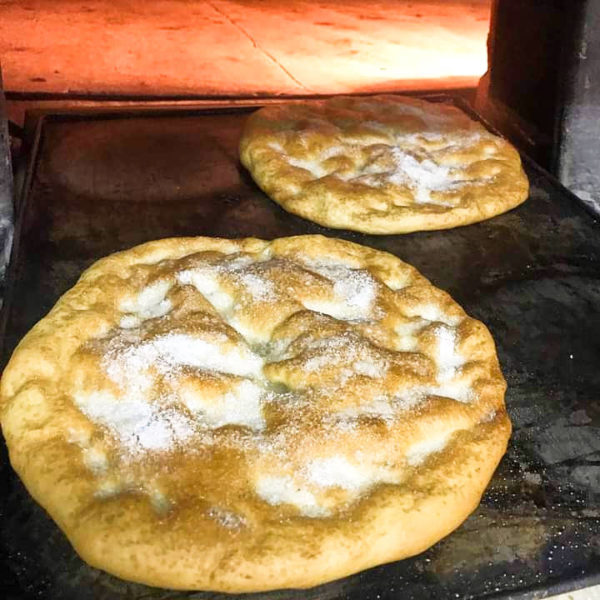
354,291
173,384
139,425
148,367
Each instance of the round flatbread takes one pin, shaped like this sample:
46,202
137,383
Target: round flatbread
382,164
243,415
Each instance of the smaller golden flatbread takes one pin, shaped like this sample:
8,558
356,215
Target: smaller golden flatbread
381,164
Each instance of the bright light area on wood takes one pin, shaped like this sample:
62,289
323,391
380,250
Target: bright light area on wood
239,47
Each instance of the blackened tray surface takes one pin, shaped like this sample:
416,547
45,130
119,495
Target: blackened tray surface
105,183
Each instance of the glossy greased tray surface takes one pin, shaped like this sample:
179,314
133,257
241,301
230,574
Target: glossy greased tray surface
105,182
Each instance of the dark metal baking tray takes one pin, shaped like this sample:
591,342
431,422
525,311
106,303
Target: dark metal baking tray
102,182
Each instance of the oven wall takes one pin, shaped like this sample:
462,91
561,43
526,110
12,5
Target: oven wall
578,158
542,88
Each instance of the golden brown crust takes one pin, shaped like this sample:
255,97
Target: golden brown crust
299,448
383,164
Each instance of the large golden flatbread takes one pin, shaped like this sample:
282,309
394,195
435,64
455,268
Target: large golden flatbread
243,415
381,164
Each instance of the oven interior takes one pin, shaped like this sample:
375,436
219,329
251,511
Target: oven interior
83,80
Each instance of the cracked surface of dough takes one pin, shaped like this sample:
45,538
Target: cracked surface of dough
243,415
381,164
